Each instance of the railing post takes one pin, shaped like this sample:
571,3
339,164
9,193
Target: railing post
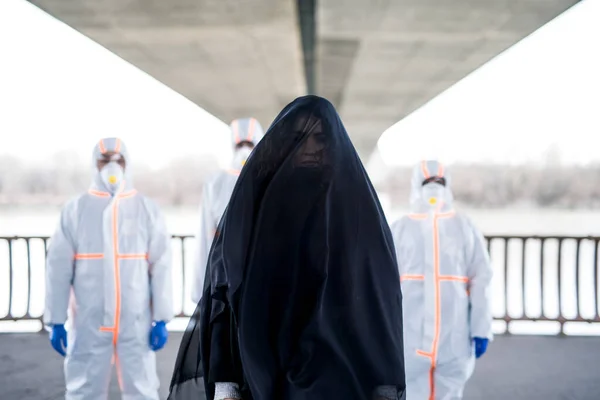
578,306
10,278
507,317
595,273
542,263
523,262
27,244
561,318
182,238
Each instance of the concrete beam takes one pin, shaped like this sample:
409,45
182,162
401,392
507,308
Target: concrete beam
380,60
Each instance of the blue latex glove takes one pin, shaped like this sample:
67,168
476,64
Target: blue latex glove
158,335
481,345
58,339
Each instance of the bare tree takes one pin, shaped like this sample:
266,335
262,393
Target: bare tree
547,184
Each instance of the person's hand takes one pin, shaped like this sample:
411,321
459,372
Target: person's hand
481,345
158,335
58,339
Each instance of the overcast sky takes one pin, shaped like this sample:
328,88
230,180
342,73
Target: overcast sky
60,90
543,92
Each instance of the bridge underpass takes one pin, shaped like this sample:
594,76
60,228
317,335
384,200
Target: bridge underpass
516,367
376,60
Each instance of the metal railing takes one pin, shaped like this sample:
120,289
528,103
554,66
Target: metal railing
527,270
554,258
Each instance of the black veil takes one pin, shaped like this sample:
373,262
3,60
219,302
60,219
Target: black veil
302,297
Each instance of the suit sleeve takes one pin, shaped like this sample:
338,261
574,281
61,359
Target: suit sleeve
159,259
396,229
479,272
60,262
204,241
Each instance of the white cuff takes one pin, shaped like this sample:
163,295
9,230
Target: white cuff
227,390
387,392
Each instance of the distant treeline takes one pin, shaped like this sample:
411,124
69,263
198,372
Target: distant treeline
491,186
180,183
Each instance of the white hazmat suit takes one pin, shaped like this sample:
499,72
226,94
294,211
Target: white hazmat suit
216,194
109,263
445,275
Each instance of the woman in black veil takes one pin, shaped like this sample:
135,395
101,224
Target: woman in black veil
302,296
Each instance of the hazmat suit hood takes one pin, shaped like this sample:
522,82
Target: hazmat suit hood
244,130
303,269
431,196
99,182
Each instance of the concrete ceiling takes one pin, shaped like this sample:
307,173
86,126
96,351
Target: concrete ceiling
380,60
217,53
376,60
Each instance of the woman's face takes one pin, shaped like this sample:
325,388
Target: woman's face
312,151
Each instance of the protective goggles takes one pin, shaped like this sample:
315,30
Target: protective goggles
113,157
435,179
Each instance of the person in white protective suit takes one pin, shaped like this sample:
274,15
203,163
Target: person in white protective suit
245,135
445,275
109,269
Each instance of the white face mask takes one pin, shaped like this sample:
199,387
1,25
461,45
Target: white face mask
112,176
241,155
433,194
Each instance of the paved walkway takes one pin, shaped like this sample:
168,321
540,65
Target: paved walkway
515,368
